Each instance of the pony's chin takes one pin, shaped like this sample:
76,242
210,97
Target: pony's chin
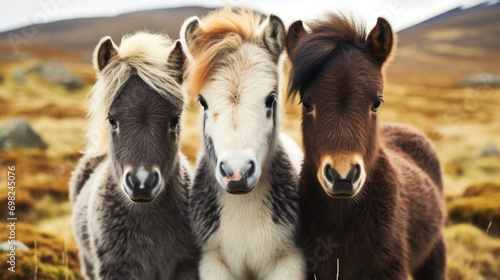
341,191
243,186
142,200
142,196
341,196
238,191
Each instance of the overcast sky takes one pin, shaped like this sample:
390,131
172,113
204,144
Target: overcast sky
401,13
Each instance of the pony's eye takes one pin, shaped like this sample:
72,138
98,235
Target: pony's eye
377,104
307,106
270,99
174,123
112,123
203,102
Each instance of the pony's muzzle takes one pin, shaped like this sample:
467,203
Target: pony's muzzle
238,175
342,186
142,186
342,176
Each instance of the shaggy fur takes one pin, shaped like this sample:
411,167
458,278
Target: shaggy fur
117,238
392,225
234,69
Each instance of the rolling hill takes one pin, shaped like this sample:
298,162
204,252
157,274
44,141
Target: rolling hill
438,52
445,49
84,33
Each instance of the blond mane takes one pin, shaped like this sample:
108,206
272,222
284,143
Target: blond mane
222,31
144,54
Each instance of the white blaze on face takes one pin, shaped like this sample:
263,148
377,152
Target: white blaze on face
237,119
142,175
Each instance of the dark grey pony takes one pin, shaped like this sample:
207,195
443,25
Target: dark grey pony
244,206
130,190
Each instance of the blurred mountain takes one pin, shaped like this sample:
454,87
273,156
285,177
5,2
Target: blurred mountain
442,51
84,33
448,48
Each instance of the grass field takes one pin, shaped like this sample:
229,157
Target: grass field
460,122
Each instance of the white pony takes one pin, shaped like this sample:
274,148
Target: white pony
244,207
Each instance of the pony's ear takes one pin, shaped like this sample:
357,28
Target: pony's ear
177,60
295,32
104,52
380,40
274,35
188,28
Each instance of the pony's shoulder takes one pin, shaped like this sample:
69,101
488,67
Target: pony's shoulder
394,133
406,141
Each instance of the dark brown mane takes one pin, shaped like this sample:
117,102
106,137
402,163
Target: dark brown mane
313,50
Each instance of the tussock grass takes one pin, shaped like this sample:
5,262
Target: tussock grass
38,173
478,205
472,254
55,258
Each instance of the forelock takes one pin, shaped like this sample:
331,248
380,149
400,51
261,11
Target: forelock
221,32
314,49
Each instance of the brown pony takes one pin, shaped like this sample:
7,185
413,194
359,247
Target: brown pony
371,194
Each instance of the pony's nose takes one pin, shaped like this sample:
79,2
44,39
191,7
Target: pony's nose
142,186
148,181
342,185
333,176
245,171
237,177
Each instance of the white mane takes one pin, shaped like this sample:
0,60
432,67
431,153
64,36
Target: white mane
144,54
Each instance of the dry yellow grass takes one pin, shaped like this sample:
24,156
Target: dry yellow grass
460,121
49,257
472,254
478,205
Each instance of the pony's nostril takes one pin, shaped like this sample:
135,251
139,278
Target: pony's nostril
131,181
328,174
356,173
225,170
128,181
251,170
152,180
221,169
331,174
156,179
